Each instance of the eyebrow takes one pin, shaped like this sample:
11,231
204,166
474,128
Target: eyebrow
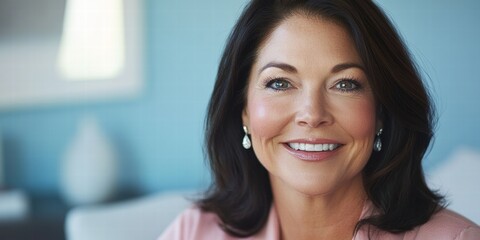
283,66
289,68
343,66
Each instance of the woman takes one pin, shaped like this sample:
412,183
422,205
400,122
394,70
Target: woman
316,129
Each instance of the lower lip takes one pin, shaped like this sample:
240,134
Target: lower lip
310,156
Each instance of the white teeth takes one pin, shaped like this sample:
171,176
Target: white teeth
331,147
313,147
309,147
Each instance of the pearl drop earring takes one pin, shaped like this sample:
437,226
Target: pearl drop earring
247,144
377,145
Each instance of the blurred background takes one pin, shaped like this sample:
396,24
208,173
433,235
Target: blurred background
148,107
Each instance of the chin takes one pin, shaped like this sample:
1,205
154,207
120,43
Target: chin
317,184
309,185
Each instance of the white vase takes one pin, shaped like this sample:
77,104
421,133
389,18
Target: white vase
89,171
2,165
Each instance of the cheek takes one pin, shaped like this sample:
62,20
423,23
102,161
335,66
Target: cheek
360,120
265,117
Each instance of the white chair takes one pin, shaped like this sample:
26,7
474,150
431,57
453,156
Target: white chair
147,217
458,178
142,218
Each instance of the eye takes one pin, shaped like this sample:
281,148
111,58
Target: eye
347,85
279,84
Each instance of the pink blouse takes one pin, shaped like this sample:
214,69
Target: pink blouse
196,224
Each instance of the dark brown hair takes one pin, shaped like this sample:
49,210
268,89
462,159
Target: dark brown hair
394,181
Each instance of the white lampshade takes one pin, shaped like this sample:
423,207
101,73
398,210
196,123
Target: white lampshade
93,40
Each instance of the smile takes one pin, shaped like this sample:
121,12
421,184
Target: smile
307,147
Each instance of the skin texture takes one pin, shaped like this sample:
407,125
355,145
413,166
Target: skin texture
307,85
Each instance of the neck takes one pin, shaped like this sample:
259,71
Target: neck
330,215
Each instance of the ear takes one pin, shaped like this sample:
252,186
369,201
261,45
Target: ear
379,122
245,119
379,125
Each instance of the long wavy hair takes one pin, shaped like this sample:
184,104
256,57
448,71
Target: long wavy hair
241,194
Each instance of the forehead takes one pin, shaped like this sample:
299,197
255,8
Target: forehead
308,39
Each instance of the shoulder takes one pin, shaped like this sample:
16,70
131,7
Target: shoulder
446,224
193,223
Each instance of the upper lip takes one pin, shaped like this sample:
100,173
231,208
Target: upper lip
314,141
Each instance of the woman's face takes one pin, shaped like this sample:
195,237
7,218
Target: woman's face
310,110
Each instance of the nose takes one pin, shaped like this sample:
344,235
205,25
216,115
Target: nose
314,110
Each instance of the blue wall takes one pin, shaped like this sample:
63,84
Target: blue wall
159,135
444,37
